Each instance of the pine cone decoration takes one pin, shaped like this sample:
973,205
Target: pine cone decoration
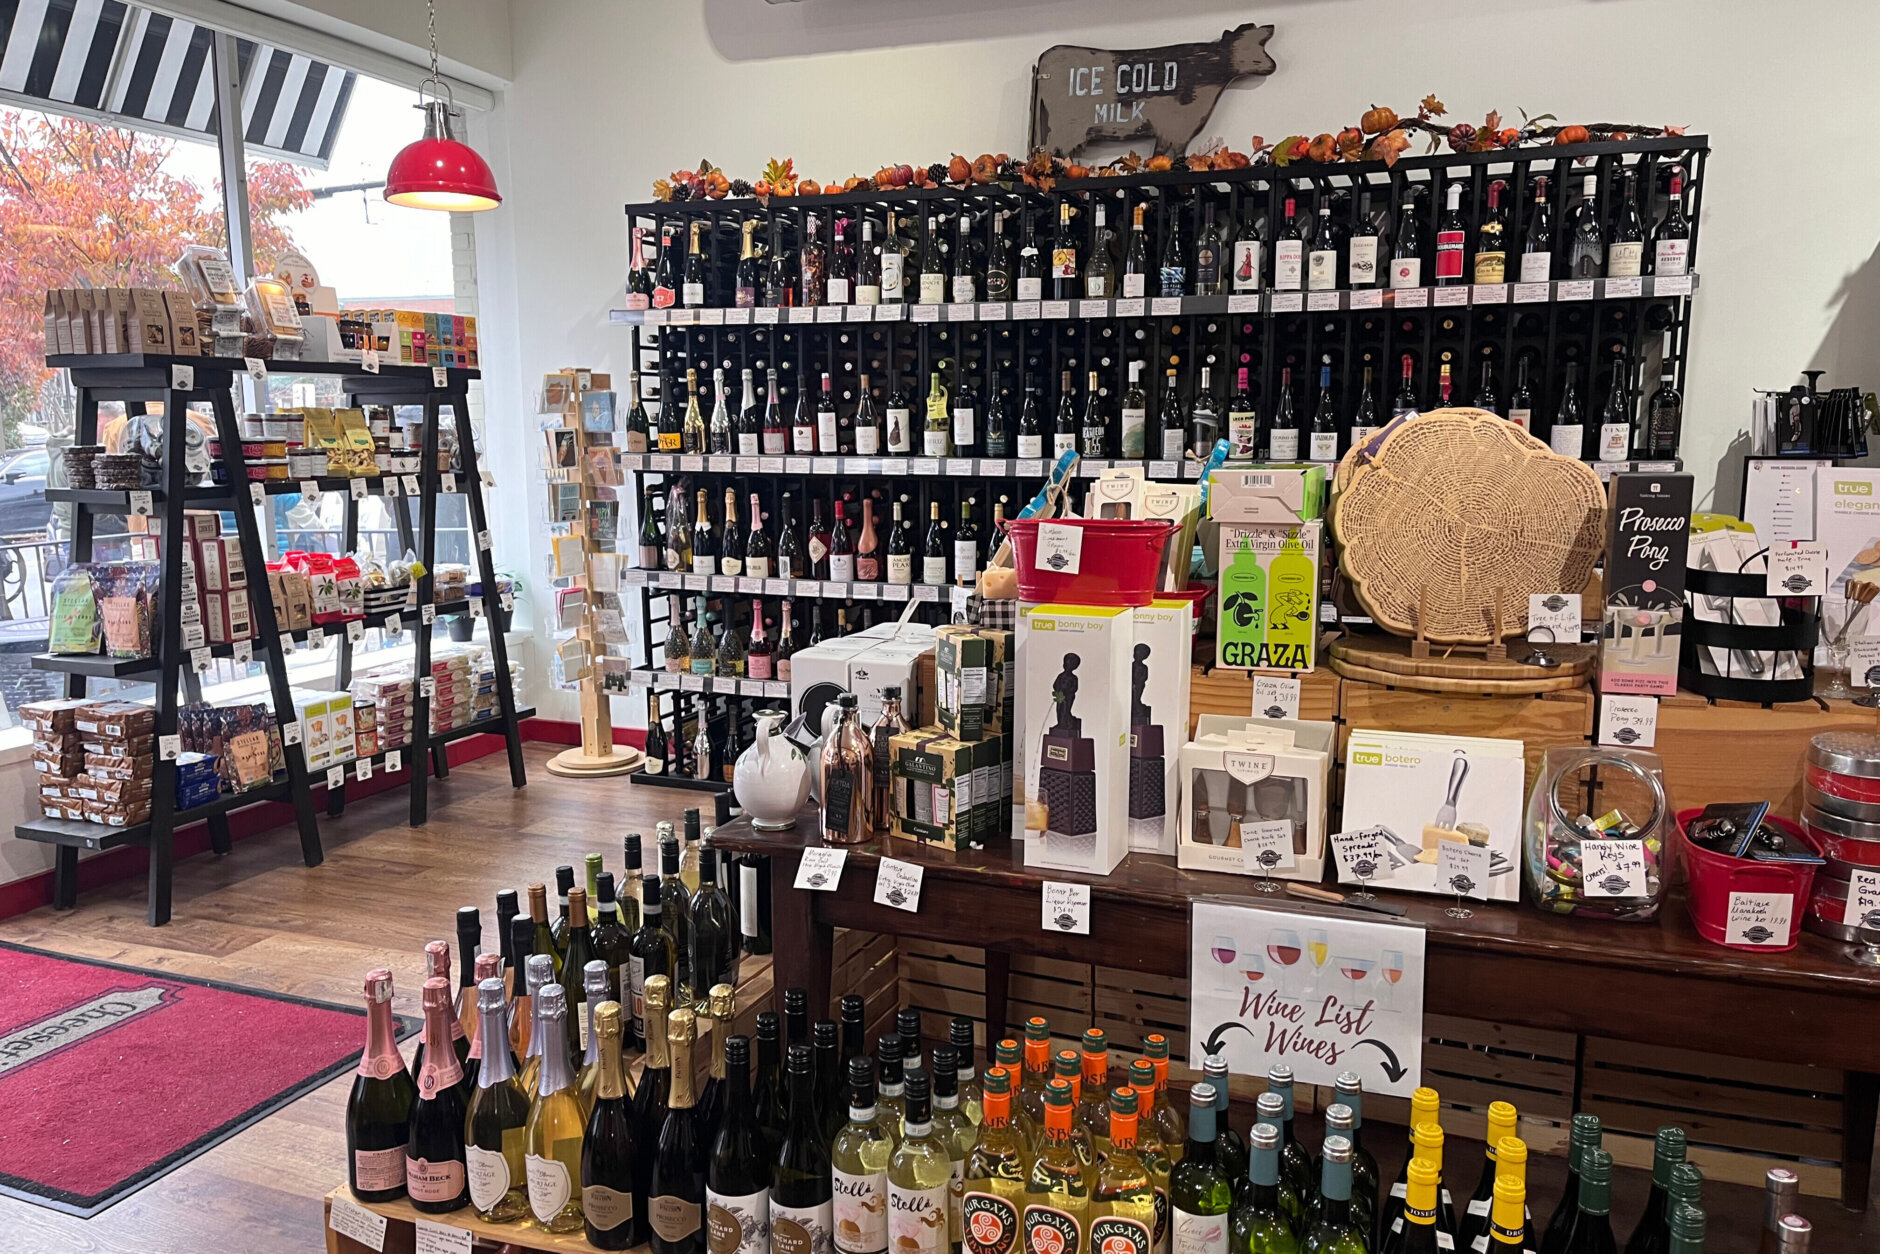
937,171
741,187
681,191
1179,163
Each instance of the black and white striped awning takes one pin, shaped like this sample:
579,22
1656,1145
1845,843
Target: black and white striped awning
114,61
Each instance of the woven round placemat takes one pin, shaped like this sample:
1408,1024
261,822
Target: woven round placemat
1463,507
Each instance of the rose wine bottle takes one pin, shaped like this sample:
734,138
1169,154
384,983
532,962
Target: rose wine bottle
378,1113
436,1177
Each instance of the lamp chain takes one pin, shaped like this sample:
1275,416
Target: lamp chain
431,8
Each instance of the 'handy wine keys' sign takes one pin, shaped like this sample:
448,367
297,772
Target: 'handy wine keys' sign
1080,96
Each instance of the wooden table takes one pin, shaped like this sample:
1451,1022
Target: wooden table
1656,984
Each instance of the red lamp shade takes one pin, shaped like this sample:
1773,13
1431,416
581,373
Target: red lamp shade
440,172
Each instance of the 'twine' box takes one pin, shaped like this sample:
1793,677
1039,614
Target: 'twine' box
1240,775
1648,527
1073,663
1159,676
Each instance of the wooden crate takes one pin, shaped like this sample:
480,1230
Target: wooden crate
866,964
1701,742
942,981
1216,691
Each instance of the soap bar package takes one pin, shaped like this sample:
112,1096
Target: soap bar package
934,801
1267,612
1159,676
1244,779
1416,791
1648,525
1073,662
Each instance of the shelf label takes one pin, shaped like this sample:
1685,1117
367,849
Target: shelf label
926,592
483,541
711,317
861,313
1367,298
362,770
1672,285
183,378
960,312
476,607
1761,919
310,491
427,687
777,688
776,587
394,760
411,485
1360,854
1162,470
859,466
1066,907
355,631
286,644
802,313
356,489
388,486
1411,298
692,683
925,313
435,1238
1275,696
315,637
1619,289
1863,896
1132,306
925,465
369,361
290,733
1556,615
692,464
655,317
796,465
993,311
1797,569
1093,309
1024,310
766,316
890,313
895,591
256,493
1287,302
354,1221
1241,302
1267,846
1462,868
336,776
738,317
1166,306
169,747
1029,468
427,614
865,591
141,504
820,869
897,884
244,652
824,466
1628,721
1530,293
829,313
959,465
696,583
1320,302
723,583
1489,294
1450,297
440,377
1575,289
257,369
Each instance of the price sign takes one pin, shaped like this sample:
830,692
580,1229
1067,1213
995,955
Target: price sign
286,644
692,683
824,466
183,378
336,777
1531,293
890,313
446,482
1275,696
427,687
427,614
1321,302
925,313
926,465
1060,548
1066,907
895,591
388,486
411,485
776,587
1760,919
1288,302
993,311
1462,868
483,541
1554,617
352,1220
394,624
959,465
141,504
1863,661
290,733
169,748
1451,297
1797,569
960,312
766,316
1863,896
257,369
488,477
1612,868
355,631
315,637
1489,294
820,870
1024,310
1617,289
436,1238
897,884
357,489
310,491
1093,309
1161,470
1361,854
362,770
1672,285
257,494
861,313
394,760
199,659
1628,721
1411,297
1166,306
1268,846
1368,298
244,652
1244,302
1575,289
926,592
369,360
1131,306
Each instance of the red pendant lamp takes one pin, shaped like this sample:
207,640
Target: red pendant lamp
440,171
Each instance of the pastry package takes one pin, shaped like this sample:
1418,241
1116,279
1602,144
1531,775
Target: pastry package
275,321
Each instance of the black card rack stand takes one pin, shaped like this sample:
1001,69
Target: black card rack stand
138,379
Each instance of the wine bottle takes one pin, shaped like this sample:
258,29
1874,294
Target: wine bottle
1491,240
933,277
1452,239
965,401
1583,1140
436,1178
1136,258
1586,239
1592,1225
840,284
738,1174
714,932
675,917
1033,1080
1343,1120
665,276
611,1147
1615,420
933,562
779,282
1361,251
1122,1198
1322,257
1057,1190
1537,242
1664,415
760,656
1567,436
1289,250
1064,256
692,289
612,941
1671,243
994,1187
774,432
676,1201
745,289
378,1110
1781,1188
1477,1217
1419,1231
669,419
801,1208
966,545
719,429
998,423
1293,1159
890,1087
1625,255
703,651
1210,252
867,421
828,439
1093,431
557,1124
1030,284
639,273
1100,274
900,551
1485,390
507,908
1200,1196
1067,1065
1653,1233
577,953
867,292
1332,1230
1259,1225
1405,402
595,994
1157,1157
961,1036
812,266
907,1027
1064,426
692,433
1323,446
964,288
803,424
859,1169
1511,1228
1521,404
825,1052
496,1126
1093,1104
538,971
1283,434
893,265
1406,257
650,951
1174,425
919,1173
954,1132
1030,428
1230,1149
1204,419
1428,1142
786,645
758,550
1687,1230
639,433
1364,418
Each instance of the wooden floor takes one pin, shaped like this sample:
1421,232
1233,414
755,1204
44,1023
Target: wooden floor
260,918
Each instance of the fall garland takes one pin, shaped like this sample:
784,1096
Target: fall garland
1380,135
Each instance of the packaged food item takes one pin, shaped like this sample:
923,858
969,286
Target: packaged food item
77,626
276,321
127,602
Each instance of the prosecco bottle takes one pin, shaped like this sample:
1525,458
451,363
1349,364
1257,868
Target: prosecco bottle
611,1146
676,1202
436,1178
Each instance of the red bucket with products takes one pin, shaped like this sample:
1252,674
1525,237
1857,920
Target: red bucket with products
1116,560
1715,878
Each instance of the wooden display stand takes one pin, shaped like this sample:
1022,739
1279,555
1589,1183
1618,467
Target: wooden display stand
597,755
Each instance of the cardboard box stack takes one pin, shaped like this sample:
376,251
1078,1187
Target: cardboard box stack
326,727
387,690
952,777
116,758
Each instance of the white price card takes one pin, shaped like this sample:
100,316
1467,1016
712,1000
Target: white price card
350,1219
897,884
1093,309
1024,310
959,598
1554,617
1863,896
362,770
1575,289
1060,548
1131,306
691,463
310,491
488,477
440,377
357,489
244,652
926,592
770,465
1797,569
369,361
960,312
1267,846
1489,294
1288,302
1066,907
1056,309
820,870
895,591
1863,662
286,644
1162,470
825,466
723,583
315,637
483,541
257,493
335,776
716,318
1321,302
1275,696
776,587
1612,868
802,313
199,659
1620,288
1530,293
692,683
141,504
777,688
508,600
1672,285
890,313
796,465
1760,919
959,465
1411,297
427,614
1368,298
861,313
766,315
1029,468
411,485
476,608
1244,302
355,631
1166,306
434,1238
290,733
1450,297
857,465
1630,722
427,687
257,369
926,465
862,591
183,378
169,748
748,586
1462,868
697,583
389,485
394,760
992,311
1361,854
925,313
394,624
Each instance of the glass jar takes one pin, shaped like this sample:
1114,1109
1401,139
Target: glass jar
1632,806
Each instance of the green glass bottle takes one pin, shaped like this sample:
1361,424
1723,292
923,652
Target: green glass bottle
1365,1183
577,952
995,1169
961,1036
802,1212
859,1169
952,1129
1474,1222
1653,1234
737,1180
1067,1065
1583,1139
1340,1122
1592,1227
1200,1198
1259,1224
1294,1161
1037,1062
890,1087
1057,1193
1151,1149
1122,1202
1294,1205
1230,1148
1419,1209
1687,1229
1332,1229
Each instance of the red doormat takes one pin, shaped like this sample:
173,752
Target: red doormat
111,1076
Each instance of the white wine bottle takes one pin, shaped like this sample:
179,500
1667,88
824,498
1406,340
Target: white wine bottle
919,1176
557,1124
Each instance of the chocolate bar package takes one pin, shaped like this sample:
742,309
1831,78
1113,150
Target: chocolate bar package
1648,525
117,719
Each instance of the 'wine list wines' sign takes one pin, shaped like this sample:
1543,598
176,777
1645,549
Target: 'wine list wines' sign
1320,993
1081,96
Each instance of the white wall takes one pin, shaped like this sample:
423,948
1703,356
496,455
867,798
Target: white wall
608,95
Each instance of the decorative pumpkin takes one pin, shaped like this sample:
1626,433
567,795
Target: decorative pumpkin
1571,135
1377,119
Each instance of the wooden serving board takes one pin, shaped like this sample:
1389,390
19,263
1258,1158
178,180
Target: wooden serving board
1387,660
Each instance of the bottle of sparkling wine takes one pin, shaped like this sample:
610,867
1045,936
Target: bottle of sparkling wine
676,1205
557,1124
497,1127
611,1146
435,1175
378,1112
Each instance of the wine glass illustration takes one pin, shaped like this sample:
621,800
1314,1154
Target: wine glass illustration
1318,948
1393,974
1356,970
1224,950
1252,967
1282,946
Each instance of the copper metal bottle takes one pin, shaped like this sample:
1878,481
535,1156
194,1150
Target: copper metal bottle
891,722
846,775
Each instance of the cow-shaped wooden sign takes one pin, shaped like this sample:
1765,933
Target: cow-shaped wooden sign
1081,96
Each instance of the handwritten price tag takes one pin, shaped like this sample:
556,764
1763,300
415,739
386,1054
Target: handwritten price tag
1613,868
1863,896
1066,908
1760,919
350,1219
1275,696
1462,869
1360,855
434,1238
1628,721
897,884
1797,569
1268,846
820,870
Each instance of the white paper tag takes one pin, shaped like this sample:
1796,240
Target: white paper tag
1631,722
244,652
1672,285
411,485
141,504
427,687
1060,548
1319,302
1367,298
168,747
199,659
1066,907
1863,895
483,541
1056,308
369,361
1165,306
1760,919
1530,293
1863,661
692,683
315,637
1554,617
350,1219
1619,288
256,493
1360,854
362,770
476,609
1462,869
355,631
1267,846
394,624
508,600
394,760
310,491
1489,294
1244,302
427,614
290,733
488,477
446,482
183,378
357,488
434,1238
440,377
335,776
820,869
388,486
1275,696
1613,868
1449,297
1797,569
897,884
257,369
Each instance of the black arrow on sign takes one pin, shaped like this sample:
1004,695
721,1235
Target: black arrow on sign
1213,1044
1393,1070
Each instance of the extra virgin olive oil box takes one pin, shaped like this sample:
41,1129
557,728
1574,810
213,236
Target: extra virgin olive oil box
1267,614
1073,720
